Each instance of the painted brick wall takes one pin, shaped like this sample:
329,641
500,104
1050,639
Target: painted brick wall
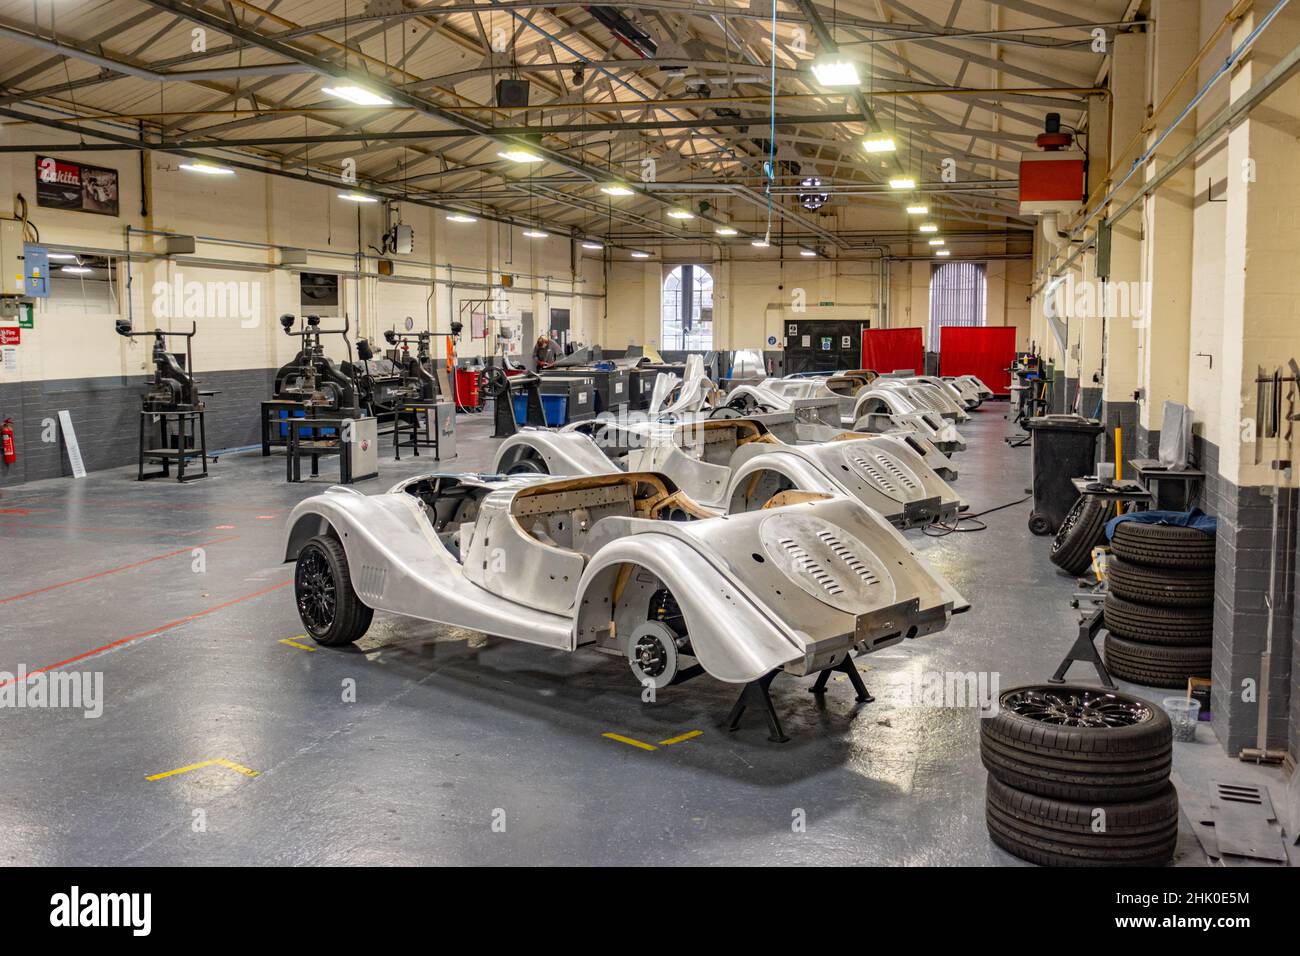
1122,415
1241,615
106,416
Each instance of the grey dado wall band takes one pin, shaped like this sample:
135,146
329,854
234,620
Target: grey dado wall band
106,415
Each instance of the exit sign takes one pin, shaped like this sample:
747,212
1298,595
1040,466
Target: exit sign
826,303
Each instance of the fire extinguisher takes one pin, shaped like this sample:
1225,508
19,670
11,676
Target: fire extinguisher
10,453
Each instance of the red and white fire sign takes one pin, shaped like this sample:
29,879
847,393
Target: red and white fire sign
10,336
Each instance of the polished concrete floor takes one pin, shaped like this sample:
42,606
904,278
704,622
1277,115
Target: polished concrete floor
422,745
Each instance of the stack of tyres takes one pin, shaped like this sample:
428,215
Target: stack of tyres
1160,604
1079,776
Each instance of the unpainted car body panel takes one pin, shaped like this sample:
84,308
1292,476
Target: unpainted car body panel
796,587
905,410
880,471
705,458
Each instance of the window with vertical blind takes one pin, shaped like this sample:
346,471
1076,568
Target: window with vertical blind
687,309
957,296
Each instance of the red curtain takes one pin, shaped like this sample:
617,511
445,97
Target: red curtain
983,351
891,350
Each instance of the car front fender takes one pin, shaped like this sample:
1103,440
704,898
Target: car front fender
734,640
563,453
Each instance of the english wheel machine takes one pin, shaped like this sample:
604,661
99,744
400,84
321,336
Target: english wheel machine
173,400
311,378
494,382
419,380
311,385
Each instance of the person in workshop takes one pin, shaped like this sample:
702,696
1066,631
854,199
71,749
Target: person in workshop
544,352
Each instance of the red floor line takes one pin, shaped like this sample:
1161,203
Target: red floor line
69,527
154,630
123,567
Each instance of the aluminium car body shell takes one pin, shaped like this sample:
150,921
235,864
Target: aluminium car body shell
857,583
829,576
981,389
693,395
932,388
923,396
905,413
704,457
969,392
398,563
793,432
880,471
948,389
809,399
789,428
701,457
568,451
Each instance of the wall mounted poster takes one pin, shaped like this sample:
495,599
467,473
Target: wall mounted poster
64,185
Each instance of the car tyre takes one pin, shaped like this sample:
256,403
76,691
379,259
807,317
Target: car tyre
1169,587
1052,832
1077,743
1163,546
1152,624
1155,665
1083,529
327,603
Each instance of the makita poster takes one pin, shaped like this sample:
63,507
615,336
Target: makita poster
64,185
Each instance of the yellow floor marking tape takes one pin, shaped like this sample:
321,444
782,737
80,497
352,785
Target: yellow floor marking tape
292,643
218,762
680,737
630,742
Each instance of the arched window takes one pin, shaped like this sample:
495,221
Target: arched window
957,297
687,310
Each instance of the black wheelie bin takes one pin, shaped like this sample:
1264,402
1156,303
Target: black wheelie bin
1065,447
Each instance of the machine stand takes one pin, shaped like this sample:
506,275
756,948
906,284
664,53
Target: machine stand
1085,649
845,666
756,693
500,386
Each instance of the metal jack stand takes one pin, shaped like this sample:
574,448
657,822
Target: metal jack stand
756,693
1085,649
845,666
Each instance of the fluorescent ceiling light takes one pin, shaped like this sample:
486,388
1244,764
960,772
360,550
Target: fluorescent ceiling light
638,254
62,256
593,244
517,154
808,253
616,189
357,95
726,231
879,143
77,270
928,227
902,182
936,242
460,217
835,69
535,234
917,210
357,197
208,169
680,214
760,243
941,252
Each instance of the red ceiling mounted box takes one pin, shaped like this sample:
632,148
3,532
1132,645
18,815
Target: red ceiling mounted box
1051,181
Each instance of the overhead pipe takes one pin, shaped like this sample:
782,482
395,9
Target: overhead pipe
144,73
1275,77
1279,75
